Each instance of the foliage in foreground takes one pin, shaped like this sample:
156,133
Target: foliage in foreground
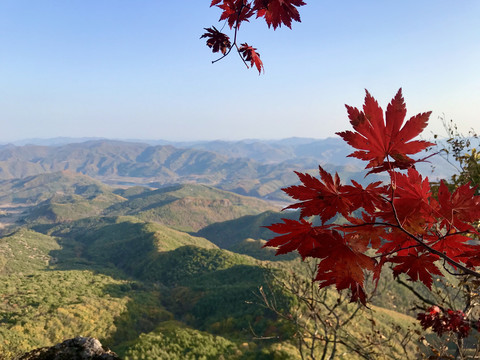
44,308
407,226
235,12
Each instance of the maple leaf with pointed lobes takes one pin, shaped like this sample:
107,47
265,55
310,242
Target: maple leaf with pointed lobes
377,140
363,232
324,199
453,245
234,11
297,235
402,221
342,265
251,55
397,241
472,255
216,40
459,209
278,12
369,198
413,202
418,267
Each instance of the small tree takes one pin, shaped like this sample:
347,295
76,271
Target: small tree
462,152
325,325
453,301
399,223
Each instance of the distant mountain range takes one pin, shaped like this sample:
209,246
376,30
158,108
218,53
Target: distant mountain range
250,167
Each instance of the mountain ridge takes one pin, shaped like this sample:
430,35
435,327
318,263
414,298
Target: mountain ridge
258,169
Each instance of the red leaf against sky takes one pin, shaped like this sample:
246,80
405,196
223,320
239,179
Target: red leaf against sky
319,198
377,140
216,40
250,55
298,235
418,267
278,12
402,221
234,11
342,265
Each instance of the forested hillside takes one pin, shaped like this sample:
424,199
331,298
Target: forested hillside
168,273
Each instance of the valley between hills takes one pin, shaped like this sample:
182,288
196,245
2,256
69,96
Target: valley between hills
157,250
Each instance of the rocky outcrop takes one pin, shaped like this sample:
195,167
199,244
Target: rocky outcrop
79,348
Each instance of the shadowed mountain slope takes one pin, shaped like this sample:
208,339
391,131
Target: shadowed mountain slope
228,233
125,242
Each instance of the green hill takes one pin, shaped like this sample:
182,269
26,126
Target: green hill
255,249
132,191
174,340
53,197
64,196
25,251
188,207
118,264
123,242
45,301
61,208
185,263
147,251
45,307
34,189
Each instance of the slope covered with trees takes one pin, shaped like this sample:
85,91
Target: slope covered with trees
117,277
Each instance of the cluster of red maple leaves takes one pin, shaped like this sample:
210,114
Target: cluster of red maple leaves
444,321
398,222
235,12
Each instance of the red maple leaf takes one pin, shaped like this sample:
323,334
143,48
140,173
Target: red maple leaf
418,267
472,256
297,235
234,11
342,265
414,205
251,55
442,321
453,245
278,12
459,209
324,199
216,40
396,241
369,198
402,221
377,140
363,233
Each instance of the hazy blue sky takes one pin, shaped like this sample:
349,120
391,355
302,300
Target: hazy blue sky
137,69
